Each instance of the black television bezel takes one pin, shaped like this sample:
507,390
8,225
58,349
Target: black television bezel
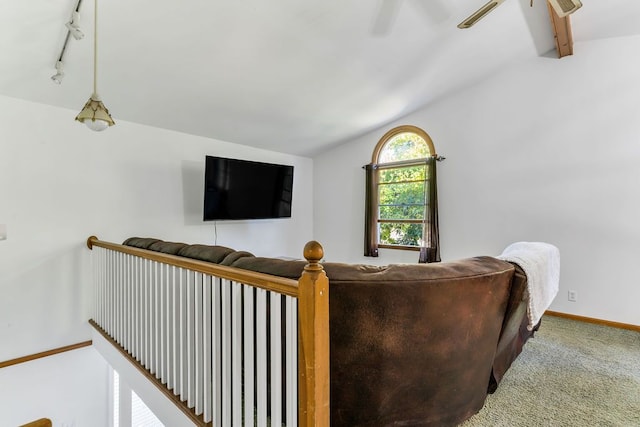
289,168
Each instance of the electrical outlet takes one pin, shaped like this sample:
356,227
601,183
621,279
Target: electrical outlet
3,231
572,296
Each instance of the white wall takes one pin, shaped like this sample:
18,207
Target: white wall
69,388
60,183
547,150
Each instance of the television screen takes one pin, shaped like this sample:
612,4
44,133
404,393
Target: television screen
242,189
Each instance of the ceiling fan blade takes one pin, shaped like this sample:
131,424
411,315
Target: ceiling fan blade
480,13
387,15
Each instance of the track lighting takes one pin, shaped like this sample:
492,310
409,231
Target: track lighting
74,27
72,30
57,77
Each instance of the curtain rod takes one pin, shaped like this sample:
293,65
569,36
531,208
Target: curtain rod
437,157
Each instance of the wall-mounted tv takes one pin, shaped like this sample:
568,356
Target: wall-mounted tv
242,189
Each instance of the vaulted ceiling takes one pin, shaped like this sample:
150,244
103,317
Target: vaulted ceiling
285,75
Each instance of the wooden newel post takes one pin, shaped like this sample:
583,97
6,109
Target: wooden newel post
313,341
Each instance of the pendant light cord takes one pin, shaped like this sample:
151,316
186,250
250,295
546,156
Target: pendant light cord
95,47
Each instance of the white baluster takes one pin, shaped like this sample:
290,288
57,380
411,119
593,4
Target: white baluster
199,345
249,356
261,357
216,345
208,348
291,309
236,353
184,341
191,344
276,358
171,327
146,313
225,302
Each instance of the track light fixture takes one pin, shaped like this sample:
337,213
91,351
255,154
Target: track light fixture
57,77
94,114
72,30
74,27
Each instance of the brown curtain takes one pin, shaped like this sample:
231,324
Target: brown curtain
431,251
370,212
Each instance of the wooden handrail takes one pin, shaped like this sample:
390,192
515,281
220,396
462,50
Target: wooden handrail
42,354
260,280
42,422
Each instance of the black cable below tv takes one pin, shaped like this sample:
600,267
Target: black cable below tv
242,189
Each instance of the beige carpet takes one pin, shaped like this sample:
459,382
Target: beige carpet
570,374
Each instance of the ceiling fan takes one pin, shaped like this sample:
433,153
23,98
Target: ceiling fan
561,7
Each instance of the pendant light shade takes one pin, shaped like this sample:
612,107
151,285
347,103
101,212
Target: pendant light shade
94,114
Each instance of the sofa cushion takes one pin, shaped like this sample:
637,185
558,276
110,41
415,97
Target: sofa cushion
234,256
277,267
140,242
172,248
210,253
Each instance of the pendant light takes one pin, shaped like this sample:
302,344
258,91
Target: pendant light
94,114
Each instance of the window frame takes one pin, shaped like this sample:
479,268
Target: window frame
375,160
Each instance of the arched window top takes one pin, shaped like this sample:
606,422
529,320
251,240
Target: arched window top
403,143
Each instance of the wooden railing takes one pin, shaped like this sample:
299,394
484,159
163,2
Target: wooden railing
235,347
44,354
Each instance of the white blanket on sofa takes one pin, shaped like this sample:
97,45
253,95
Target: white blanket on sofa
541,264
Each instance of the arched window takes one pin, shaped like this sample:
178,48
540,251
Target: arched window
401,195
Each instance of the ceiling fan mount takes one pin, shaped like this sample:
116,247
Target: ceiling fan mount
561,7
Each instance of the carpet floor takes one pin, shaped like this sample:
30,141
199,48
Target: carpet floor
570,374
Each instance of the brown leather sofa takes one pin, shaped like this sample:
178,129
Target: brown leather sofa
410,344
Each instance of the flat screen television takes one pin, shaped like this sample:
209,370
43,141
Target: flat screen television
242,189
